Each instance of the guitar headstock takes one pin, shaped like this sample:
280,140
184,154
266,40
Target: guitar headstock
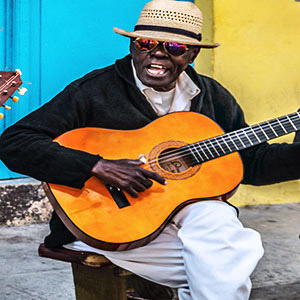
10,82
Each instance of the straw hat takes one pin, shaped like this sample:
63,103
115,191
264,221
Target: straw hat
169,21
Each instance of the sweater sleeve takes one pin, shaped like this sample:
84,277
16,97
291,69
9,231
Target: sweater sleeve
271,163
265,163
28,148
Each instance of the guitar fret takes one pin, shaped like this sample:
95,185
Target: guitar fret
277,126
219,145
244,138
225,143
268,130
260,134
262,130
281,125
195,157
232,146
251,128
237,148
244,146
238,142
297,120
291,123
218,154
203,151
268,123
245,133
213,156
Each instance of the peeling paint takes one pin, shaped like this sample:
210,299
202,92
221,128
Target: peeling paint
22,204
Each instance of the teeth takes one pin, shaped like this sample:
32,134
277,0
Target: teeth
156,72
157,66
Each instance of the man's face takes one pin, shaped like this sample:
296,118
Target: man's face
158,68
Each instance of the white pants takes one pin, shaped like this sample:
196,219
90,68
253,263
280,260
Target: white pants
205,253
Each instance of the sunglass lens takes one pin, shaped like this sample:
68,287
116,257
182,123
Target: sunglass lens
175,48
145,44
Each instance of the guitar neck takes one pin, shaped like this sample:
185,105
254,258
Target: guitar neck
243,138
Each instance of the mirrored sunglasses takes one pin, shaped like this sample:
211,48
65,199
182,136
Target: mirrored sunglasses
146,45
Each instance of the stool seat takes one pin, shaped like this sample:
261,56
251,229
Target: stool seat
90,259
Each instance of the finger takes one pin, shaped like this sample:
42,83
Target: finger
141,178
146,182
135,162
132,192
139,187
154,176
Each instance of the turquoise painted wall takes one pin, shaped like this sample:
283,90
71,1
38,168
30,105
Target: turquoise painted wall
54,42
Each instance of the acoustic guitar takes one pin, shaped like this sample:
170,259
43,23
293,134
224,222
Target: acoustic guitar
198,160
10,82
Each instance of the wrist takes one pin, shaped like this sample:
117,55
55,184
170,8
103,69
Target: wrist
96,167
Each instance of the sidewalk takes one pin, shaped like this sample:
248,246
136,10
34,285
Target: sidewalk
25,276
278,273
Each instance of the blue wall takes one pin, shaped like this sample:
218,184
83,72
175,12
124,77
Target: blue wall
54,42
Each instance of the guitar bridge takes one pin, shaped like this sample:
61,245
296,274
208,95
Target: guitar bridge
118,196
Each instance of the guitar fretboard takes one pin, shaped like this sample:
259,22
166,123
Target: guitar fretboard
243,138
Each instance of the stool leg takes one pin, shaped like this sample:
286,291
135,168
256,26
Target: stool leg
98,283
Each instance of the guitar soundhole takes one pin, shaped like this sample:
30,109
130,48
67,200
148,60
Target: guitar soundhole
174,161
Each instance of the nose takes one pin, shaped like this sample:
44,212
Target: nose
159,51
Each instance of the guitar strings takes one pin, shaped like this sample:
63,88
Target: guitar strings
229,139
8,82
261,126
224,137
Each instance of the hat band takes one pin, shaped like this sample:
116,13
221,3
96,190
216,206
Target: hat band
170,30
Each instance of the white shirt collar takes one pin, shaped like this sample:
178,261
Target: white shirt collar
184,91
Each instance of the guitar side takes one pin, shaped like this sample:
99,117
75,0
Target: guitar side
94,217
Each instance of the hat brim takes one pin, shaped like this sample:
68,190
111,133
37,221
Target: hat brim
164,37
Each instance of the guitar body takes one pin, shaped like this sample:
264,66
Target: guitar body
91,213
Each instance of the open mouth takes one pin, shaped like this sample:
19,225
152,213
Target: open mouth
156,70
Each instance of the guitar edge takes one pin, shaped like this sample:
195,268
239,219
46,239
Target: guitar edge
104,245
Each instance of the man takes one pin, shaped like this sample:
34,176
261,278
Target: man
204,252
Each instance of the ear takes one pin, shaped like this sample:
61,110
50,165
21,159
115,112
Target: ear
130,45
194,53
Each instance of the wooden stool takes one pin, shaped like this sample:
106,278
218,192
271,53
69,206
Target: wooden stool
96,278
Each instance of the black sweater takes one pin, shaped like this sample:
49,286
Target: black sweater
109,98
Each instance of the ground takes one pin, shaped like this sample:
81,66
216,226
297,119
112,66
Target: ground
25,276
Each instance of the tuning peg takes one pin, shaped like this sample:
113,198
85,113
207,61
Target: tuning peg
15,99
22,91
1,116
7,107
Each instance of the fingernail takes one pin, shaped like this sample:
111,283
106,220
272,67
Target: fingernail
165,183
